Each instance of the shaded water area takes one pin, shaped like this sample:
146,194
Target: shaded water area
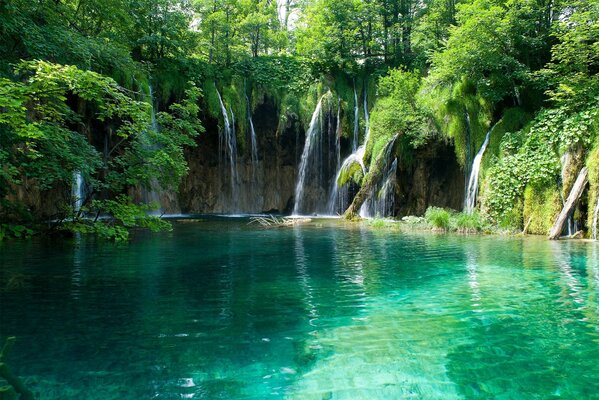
220,309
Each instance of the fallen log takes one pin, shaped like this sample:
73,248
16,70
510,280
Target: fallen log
570,205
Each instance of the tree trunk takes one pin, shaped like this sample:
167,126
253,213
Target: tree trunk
573,198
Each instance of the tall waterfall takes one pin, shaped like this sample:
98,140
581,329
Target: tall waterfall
472,188
595,219
253,139
356,121
228,141
334,193
150,193
311,137
77,191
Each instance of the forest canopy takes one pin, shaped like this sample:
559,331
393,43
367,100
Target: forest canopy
81,82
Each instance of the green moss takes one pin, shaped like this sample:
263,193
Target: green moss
352,172
512,120
593,166
541,207
451,108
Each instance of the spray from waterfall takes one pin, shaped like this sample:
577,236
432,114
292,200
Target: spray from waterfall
472,188
229,141
311,138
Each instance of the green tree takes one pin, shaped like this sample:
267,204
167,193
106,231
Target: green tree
51,116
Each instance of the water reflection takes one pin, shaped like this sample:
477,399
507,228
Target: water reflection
303,276
220,310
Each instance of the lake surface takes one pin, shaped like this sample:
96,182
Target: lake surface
222,310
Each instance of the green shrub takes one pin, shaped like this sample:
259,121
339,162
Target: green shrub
468,222
437,217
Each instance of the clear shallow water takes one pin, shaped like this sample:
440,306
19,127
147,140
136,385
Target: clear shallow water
223,310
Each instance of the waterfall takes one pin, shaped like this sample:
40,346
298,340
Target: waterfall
385,200
357,156
229,140
382,195
311,137
77,191
253,139
150,194
356,121
595,219
366,116
472,188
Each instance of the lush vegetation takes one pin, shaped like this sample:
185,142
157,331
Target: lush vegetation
76,77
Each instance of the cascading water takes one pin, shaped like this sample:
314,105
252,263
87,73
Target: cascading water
356,121
77,191
311,137
229,140
339,195
472,188
383,205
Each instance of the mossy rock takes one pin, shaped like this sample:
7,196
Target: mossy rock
541,207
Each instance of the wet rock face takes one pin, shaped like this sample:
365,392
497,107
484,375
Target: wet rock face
267,186
434,179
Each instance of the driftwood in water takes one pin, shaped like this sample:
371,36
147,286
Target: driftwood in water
570,205
275,222
8,375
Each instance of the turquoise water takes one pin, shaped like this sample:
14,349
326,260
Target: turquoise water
223,310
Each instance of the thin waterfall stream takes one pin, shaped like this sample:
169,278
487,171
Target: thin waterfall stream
311,137
150,194
78,191
253,139
472,188
229,142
